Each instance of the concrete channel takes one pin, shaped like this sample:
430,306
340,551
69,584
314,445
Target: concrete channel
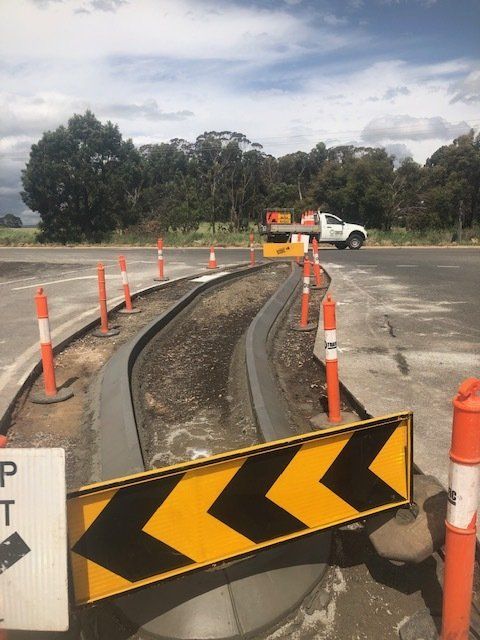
243,598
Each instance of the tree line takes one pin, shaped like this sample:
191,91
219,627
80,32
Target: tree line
86,181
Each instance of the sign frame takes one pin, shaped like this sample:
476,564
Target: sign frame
33,535
403,419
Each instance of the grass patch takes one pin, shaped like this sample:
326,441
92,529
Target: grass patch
429,237
17,237
203,237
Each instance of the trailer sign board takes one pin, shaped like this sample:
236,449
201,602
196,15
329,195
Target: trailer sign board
283,250
127,533
33,540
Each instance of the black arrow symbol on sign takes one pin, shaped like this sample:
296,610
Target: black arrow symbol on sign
115,539
12,549
243,504
349,476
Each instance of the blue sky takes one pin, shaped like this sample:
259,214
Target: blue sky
403,74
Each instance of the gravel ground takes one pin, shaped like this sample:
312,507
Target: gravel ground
191,387
71,424
189,383
300,376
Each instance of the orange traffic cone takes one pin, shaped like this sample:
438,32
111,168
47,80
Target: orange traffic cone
212,263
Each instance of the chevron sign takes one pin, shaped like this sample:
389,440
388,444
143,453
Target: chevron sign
137,530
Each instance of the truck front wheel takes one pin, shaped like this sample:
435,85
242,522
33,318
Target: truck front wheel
341,245
355,240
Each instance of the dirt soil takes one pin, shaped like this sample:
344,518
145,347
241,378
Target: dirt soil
189,384
191,401
71,424
300,376
364,597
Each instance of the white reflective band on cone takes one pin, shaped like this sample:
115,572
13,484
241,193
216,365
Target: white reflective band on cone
44,328
306,285
315,259
463,487
124,277
330,344
160,254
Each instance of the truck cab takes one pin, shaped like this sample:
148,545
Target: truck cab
279,224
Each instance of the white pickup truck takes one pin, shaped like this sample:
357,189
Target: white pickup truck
278,225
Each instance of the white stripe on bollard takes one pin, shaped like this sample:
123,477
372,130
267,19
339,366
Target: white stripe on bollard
463,493
306,285
330,344
44,329
124,277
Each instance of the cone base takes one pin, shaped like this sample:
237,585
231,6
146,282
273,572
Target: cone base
61,396
210,267
322,421
107,334
129,311
160,279
309,327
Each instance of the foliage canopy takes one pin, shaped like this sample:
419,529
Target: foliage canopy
86,181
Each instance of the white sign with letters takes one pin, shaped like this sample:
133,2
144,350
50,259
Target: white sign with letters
33,540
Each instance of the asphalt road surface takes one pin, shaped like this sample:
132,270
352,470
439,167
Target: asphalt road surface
408,320
408,334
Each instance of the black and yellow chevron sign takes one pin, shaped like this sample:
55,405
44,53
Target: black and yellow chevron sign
134,531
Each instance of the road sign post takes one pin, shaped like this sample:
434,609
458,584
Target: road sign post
134,531
33,540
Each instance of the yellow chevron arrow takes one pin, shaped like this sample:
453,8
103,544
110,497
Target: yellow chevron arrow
298,490
182,520
391,464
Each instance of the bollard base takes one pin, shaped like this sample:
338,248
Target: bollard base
128,311
318,287
164,279
106,334
61,396
321,421
309,327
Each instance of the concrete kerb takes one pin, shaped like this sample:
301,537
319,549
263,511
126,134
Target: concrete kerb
120,448
269,408
36,370
246,597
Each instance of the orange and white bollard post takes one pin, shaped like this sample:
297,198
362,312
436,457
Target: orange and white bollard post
212,262
105,331
126,287
161,262
305,325
51,394
331,360
463,495
3,441
317,269
252,251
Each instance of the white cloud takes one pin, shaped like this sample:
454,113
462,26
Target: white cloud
174,29
467,89
399,150
148,109
176,68
404,127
